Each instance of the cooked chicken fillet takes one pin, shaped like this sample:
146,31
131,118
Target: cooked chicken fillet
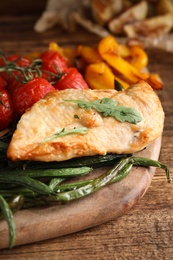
106,134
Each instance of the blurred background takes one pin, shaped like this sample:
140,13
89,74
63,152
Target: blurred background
129,18
150,20
19,7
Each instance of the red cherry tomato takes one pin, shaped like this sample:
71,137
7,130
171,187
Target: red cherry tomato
15,82
12,77
3,83
25,96
71,78
20,61
6,109
52,62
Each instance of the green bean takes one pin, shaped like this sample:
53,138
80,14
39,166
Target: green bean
73,186
66,172
89,188
8,215
54,182
68,192
85,161
26,181
122,173
146,162
19,190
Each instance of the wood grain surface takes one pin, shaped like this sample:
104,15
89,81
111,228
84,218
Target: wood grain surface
145,231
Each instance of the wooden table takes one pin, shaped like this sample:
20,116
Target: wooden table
144,232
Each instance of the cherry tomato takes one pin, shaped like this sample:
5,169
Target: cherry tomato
3,83
52,62
18,60
71,78
21,62
6,109
32,91
12,78
16,81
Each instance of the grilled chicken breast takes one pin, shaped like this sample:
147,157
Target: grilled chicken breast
106,134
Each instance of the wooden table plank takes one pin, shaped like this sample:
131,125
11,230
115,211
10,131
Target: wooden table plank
146,231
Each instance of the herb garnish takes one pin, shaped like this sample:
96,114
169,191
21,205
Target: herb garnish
80,130
76,116
108,107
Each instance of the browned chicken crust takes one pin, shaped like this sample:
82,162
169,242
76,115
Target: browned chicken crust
106,135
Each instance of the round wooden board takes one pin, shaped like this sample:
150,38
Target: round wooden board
38,224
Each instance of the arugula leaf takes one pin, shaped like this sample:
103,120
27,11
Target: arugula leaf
108,107
76,116
80,130
127,114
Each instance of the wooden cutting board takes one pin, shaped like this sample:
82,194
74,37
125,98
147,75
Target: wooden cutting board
38,224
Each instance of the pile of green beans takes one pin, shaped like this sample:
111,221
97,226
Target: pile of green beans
30,184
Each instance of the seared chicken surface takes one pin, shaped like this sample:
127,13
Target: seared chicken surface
52,114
